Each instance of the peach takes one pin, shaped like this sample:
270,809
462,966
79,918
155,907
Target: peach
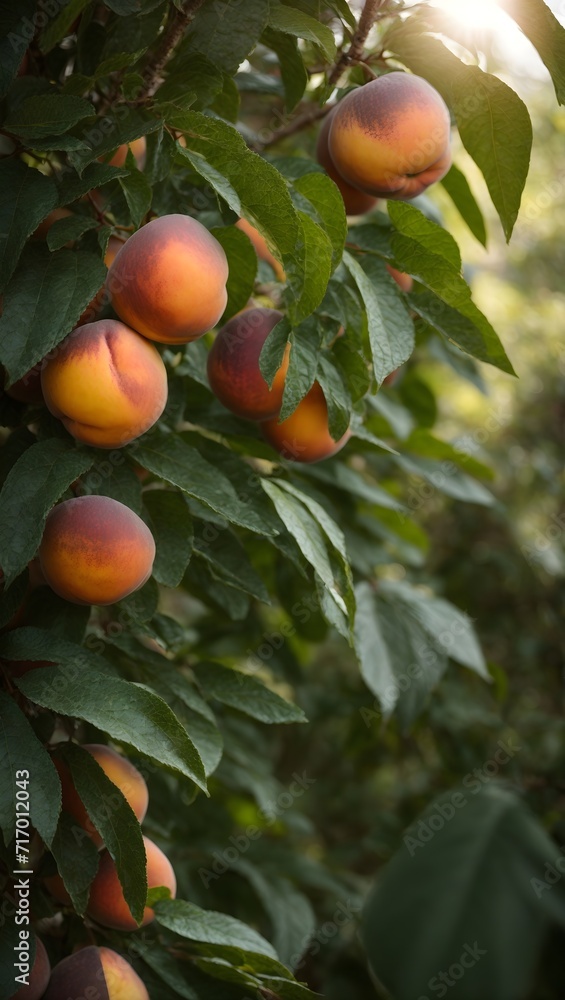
138,148
95,550
38,977
356,202
107,904
260,246
404,281
169,280
106,383
28,388
44,226
391,138
233,365
94,972
305,435
120,771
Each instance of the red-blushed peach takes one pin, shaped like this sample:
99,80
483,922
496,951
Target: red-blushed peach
95,550
168,281
106,903
138,148
391,138
57,889
356,202
233,365
28,388
392,378
106,384
404,281
261,249
96,974
120,771
38,977
18,668
305,435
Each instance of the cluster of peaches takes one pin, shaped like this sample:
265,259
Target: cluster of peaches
106,905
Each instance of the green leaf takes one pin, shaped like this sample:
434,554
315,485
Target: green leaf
391,330
209,927
372,651
318,254
245,693
410,221
242,262
290,911
229,563
112,131
25,766
115,821
37,480
305,343
60,25
31,643
77,861
171,524
137,191
73,187
473,845
26,197
273,350
226,31
126,712
43,302
193,75
450,629
47,115
14,41
545,32
450,481
295,22
168,456
480,341
293,70
68,230
327,209
458,189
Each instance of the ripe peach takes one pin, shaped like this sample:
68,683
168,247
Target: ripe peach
356,202
305,435
106,383
119,770
233,365
169,280
391,137
95,550
138,148
261,249
38,977
97,973
404,281
107,904
28,388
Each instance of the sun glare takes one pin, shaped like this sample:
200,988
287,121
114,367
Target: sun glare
479,14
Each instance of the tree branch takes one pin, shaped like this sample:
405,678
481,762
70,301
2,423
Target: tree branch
355,50
171,38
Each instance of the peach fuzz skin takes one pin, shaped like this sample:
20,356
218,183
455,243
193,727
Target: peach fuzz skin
168,281
356,202
97,972
95,550
233,365
119,770
107,904
305,435
106,384
391,138
261,249
39,975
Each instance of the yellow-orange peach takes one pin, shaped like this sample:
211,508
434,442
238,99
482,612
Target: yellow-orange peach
404,281
28,388
106,383
138,148
356,202
95,550
233,365
97,973
305,435
261,249
38,977
106,903
168,281
120,771
391,138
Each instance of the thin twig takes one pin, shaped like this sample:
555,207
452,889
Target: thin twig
312,115
355,50
171,38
